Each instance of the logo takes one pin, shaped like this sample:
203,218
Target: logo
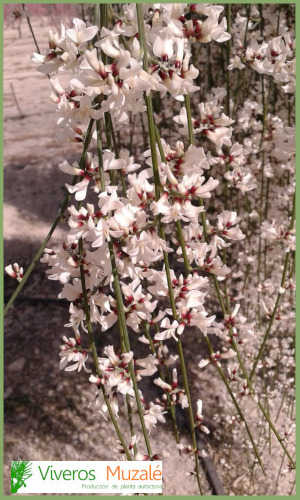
86,477
20,472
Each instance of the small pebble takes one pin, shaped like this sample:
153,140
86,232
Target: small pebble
17,365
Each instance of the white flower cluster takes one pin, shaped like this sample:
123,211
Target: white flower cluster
212,122
202,204
275,57
119,86
128,224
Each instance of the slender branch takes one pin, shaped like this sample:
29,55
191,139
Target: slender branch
187,268
228,53
187,102
160,372
151,125
95,355
238,408
279,295
121,314
235,347
31,30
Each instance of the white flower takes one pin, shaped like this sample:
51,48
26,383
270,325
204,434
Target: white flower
215,358
235,63
71,352
153,414
148,365
177,394
226,221
163,46
241,178
199,418
15,271
81,33
171,330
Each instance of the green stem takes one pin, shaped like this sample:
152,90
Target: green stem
130,421
110,137
229,390
31,30
265,108
111,133
250,386
148,101
241,75
122,319
178,223
99,152
279,474
284,275
234,345
190,409
187,102
121,314
247,25
160,372
103,24
95,355
151,125
182,244
228,53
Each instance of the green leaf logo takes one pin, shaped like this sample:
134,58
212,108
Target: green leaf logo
20,472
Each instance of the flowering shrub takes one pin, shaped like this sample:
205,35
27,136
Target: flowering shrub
196,232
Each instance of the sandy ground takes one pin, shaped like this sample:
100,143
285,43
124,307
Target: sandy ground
47,412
